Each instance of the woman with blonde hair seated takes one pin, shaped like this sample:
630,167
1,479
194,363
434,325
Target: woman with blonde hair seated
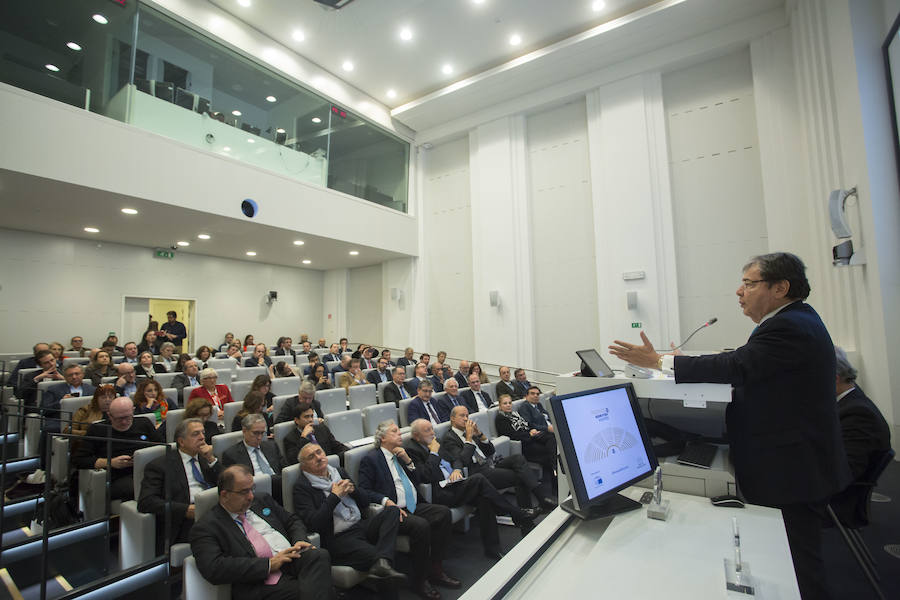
218,394
166,358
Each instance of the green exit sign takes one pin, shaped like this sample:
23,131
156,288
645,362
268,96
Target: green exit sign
161,253
636,325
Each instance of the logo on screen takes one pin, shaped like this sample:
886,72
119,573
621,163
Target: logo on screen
602,414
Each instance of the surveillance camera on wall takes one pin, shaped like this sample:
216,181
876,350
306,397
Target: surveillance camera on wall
843,254
273,296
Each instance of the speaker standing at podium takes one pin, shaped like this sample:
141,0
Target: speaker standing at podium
782,421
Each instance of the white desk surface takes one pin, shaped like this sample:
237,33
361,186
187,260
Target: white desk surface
631,556
694,395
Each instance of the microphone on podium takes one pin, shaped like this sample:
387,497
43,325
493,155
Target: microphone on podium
707,324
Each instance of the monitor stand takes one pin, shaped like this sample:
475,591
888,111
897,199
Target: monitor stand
612,506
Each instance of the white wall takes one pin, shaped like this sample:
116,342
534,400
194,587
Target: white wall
562,250
717,195
52,288
447,223
364,309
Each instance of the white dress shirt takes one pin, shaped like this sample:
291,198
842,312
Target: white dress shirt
398,485
194,486
276,541
255,457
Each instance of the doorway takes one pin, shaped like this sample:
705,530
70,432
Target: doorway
138,312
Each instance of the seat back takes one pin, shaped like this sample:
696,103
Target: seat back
142,456
165,379
482,419
239,390
224,441
491,389
438,398
362,396
379,392
289,476
173,420
346,426
517,404
221,363
278,403
284,357
172,397
43,385
250,373
403,412
281,430
441,429
285,386
492,421
68,406
851,505
204,501
76,360
331,364
375,414
231,409
226,376
352,458
186,393
263,483
332,401
410,370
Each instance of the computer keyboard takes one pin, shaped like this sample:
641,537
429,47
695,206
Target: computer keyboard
698,455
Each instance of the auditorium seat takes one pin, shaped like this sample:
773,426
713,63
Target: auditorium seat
278,402
223,441
248,373
165,379
362,396
334,400
221,363
281,430
231,409
402,412
346,425
173,419
285,385
379,393
172,396
76,360
283,358
330,365
375,414
239,389
186,394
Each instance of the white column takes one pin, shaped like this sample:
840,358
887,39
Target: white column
334,304
501,243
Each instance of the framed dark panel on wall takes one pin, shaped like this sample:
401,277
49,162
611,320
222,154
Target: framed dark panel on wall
891,51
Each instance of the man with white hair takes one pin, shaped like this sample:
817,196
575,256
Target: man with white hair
424,450
125,434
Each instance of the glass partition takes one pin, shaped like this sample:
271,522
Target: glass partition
136,65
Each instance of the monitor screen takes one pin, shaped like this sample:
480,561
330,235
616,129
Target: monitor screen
603,441
597,367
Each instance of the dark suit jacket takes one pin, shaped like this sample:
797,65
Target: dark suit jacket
375,479
224,555
238,454
375,376
427,464
866,434
403,361
293,443
50,402
417,410
391,393
437,383
782,421
331,358
165,477
141,372
412,386
472,403
446,404
253,362
461,379
537,416
281,352
458,453
287,409
512,389
317,510
181,381
123,442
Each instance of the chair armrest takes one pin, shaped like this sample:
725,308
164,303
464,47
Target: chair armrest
425,492
502,446
92,493
59,458
137,535
315,539
197,588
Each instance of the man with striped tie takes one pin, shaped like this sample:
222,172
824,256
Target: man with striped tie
186,471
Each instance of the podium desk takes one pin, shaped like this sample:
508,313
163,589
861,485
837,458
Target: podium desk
631,556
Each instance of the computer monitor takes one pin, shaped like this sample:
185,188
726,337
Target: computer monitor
594,365
604,447
184,98
165,90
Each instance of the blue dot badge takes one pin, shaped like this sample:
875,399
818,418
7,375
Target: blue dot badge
144,437
267,512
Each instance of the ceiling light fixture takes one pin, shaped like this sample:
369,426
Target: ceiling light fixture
236,113
227,148
598,5
515,39
129,211
406,34
251,253
50,67
100,19
477,1
280,130
391,93
306,261
251,141
447,69
354,252
271,99
184,244
92,230
244,3
203,236
298,35
348,66
316,120
74,46
299,242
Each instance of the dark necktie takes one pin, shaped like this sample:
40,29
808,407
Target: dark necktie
433,414
198,475
312,438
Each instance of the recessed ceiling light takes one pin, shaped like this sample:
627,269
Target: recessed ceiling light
391,93
406,34
306,261
251,253
227,148
203,236
354,252
316,120
271,99
92,230
598,5
50,67
73,46
477,1
348,66
299,242
129,211
244,3
447,69
100,19
184,243
280,130
236,113
298,35
251,141
515,39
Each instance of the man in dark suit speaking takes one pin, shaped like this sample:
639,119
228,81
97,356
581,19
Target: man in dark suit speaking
251,542
782,421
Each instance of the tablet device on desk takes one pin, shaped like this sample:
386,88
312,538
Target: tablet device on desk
596,366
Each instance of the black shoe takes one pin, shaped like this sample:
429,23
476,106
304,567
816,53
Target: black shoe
530,513
426,590
494,553
382,569
444,580
547,503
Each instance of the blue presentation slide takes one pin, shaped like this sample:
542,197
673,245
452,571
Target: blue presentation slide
606,438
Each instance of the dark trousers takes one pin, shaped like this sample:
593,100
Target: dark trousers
367,541
306,578
429,531
511,471
122,487
803,525
478,491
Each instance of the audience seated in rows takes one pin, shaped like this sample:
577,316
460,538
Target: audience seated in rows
95,410
396,390
437,377
318,376
166,356
188,377
43,360
476,398
149,342
229,339
305,395
534,432
74,386
407,358
420,375
130,351
284,347
475,367
260,357
76,346
380,374
202,356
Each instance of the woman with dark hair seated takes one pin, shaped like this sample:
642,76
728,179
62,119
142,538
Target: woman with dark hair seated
262,384
201,408
101,366
150,398
537,446
319,378
149,343
182,358
254,403
248,341
93,411
146,367
204,353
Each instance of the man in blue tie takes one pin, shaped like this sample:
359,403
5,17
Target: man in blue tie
522,384
451,397
388,476
260,454
180,474
396,391
424,407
